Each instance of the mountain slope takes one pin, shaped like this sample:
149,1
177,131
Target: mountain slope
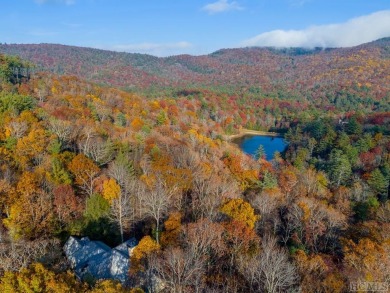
296,69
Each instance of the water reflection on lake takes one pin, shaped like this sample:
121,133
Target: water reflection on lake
250,143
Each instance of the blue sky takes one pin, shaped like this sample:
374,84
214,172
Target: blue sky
168,27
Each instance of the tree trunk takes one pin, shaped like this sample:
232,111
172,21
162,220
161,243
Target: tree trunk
120,219
157,231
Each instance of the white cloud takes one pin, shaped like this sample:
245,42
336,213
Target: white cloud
156,49
67,2
354,32
222,6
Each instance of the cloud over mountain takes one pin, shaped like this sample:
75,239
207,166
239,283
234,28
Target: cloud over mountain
351,33
222,6
157,49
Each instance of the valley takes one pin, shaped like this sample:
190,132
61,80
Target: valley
135,161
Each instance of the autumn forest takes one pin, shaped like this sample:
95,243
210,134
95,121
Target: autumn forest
112,146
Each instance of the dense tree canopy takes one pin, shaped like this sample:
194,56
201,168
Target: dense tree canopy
84,160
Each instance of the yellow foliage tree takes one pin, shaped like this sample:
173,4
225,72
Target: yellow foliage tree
137,124
109,286
145,248
181,178
333,283
30,146
37,278
111,190
5,194
29,213
370,260
312,269
246,177
241,211
172,229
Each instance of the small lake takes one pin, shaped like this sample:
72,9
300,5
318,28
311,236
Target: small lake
250,143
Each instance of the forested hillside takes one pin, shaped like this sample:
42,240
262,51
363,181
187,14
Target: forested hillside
361,71
80,159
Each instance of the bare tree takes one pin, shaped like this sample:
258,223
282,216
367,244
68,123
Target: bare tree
155,202
204,241
17,255
87,133
18,128
180,270
42,90
101,151
209,192
103,112
383,213
248,267
63,129
122,211
315,224
267,203
275,273
204,237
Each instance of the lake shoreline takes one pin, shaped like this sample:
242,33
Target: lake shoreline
249,142
244,132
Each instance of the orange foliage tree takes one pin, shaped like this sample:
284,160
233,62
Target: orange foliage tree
85,172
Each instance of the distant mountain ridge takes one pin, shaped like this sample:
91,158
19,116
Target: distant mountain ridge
266,68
